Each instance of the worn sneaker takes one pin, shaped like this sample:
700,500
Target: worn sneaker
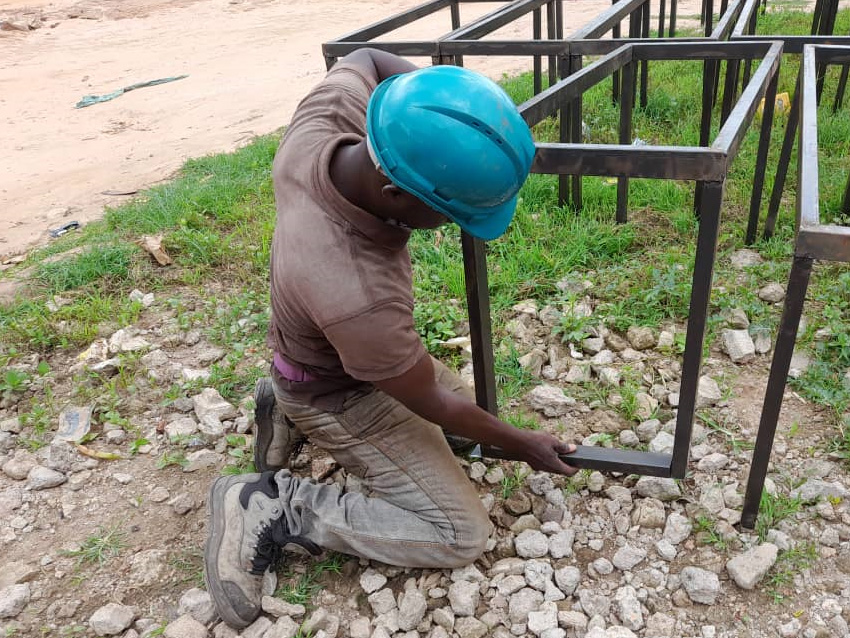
276,438
246,536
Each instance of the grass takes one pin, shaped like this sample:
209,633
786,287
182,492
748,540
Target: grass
707,534
512,481
789,563
107,543
773,510
301,588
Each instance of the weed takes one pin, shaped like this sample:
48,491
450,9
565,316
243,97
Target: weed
707,533
238,449
513,481
110,262
190,562
732,439
522,421
14,381
576,482
436,322
300,589
171,458
138,443
105,544
789,563
773,510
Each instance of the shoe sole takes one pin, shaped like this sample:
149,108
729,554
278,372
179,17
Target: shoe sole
214,538
263,424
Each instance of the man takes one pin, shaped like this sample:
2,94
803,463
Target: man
376,149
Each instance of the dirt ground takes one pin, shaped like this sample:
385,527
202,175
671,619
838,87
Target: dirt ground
248,64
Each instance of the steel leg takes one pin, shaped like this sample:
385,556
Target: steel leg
798,282
480,328
761,160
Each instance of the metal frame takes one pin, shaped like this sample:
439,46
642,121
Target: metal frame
823,24
814,240
707,165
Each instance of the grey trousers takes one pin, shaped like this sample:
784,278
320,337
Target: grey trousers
422,510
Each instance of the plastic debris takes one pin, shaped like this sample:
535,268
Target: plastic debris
88,100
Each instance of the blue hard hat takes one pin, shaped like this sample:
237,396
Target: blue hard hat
455,140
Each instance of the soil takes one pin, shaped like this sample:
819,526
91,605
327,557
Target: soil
248,63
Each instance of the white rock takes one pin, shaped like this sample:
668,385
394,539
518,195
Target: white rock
816,489
470,627
382,601
412,609
198,604
464,597
738,345
538,573
188,627
522,603
749,568
531,544
279,608
677,528
663,489
662,443
567,579
371,580
628,607
286,627
210,402
181,427
772,293
574,620
469,573
43,478
593,603
550,400
628,556
701,585
561,544
666,549
13,600
708,392
112,619
545,618
125,341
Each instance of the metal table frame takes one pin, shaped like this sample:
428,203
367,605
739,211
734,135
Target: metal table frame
814,240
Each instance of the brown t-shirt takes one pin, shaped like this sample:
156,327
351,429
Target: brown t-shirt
341,281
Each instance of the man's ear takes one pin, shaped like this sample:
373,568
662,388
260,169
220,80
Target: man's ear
392,192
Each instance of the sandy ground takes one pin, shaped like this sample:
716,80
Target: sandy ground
248,63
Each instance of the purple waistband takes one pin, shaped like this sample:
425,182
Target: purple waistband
291,372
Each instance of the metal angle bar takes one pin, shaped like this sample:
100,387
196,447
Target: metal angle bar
615,160
794,43
701,49
537,34
410,49
784,160
604,47
503,47
798,282
480,329
732,133
399,20
727,21
494,20
712,201
542,106
626,108
747,13
588,457
606,20
827,241
808,209
761,160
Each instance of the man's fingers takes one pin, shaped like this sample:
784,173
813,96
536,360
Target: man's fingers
565,448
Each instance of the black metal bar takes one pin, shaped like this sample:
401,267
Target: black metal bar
455,10
495,20
842,87
626,108
708,74
559,19
614,160
712,195
574,63
605,20
845,200
551,32
409,49
399,20
503,47
730,89
644,65
798,283
761,159
794,44
480,329
784,161
537,34
589,457
615,78
673,4
661,9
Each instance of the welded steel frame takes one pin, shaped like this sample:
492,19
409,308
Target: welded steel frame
814,240
823,24
707,165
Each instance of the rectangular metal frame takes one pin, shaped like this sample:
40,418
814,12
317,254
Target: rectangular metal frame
814,240
707,165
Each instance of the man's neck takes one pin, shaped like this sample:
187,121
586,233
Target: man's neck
352,173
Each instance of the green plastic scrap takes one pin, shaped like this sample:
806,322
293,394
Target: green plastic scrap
88,100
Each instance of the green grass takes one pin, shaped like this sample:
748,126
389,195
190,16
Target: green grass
512,481
773,510
789,563
706,532
107,543
301,588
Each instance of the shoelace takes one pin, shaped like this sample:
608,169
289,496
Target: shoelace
270,542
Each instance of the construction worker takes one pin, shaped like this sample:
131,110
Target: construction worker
377,149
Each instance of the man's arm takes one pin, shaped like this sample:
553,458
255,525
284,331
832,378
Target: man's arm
418,390
378,65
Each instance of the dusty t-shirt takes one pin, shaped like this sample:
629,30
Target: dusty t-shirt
341,282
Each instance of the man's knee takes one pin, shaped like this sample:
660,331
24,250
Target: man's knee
471,540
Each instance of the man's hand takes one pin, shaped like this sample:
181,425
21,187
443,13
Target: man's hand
378,65
542,452
418,390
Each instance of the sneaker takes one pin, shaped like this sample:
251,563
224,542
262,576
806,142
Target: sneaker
246,536
276,440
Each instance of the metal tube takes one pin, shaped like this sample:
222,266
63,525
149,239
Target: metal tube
673,4
480,329
661,10
784,161
798,283
551,32
574,65
537,34
761,159
644,66
709,225
842,87
709,72
626,108
615,78
455,10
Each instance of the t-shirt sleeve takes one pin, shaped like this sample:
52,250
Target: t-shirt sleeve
378,344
